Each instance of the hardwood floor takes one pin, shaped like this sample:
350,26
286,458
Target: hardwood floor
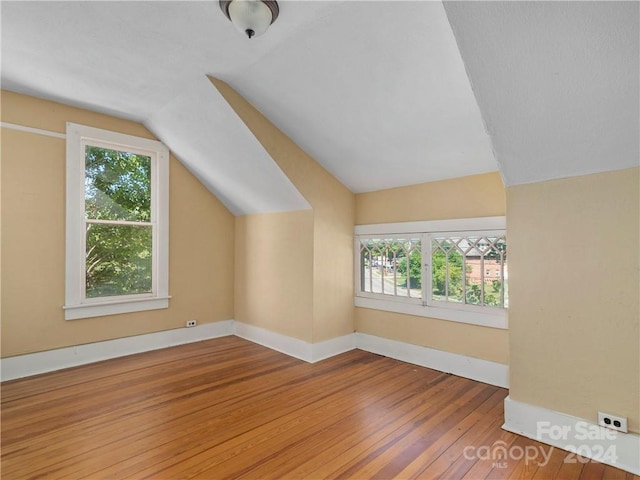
227,408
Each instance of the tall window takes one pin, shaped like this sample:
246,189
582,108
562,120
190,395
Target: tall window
117,223
452,269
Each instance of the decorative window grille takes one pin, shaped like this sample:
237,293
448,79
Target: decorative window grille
461,270
391,266
465,270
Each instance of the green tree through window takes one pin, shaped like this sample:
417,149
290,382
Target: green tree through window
446,267
119,233
414,277
465,268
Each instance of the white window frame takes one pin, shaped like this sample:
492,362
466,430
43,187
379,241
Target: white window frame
463,313
76,304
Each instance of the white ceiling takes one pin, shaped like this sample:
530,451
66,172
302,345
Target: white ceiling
557,83
377,92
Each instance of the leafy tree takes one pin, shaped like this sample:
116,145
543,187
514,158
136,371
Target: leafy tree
117,188
474,294
117,185
492,298
414,264
439,268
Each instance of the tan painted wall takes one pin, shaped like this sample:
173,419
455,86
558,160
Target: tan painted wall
201,239
333,219
470,340
466,197
274,272
574,315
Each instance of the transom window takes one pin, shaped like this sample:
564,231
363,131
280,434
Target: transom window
117,223
451,274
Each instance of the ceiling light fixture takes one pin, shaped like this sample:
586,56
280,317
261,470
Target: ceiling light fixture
251,17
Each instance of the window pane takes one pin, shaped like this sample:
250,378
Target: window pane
391,267
118,260
446,261
493,286
117,185
414,272
470,270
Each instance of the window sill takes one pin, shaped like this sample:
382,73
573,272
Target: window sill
88,310
484,319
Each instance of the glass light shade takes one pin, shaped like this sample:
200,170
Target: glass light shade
251,17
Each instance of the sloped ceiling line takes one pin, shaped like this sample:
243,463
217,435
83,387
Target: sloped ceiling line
206,134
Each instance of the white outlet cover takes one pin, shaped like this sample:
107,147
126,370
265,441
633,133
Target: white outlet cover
613,418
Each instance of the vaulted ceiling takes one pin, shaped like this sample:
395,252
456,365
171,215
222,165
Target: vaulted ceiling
382,94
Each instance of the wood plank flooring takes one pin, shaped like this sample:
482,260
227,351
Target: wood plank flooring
229,409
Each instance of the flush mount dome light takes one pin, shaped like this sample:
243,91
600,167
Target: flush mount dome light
251,17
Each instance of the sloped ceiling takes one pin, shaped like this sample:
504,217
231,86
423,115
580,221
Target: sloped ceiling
222,153
557,83
377,92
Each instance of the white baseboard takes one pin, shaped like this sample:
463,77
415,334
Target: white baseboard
463,366
275,341
42,362
333,347
481,370
309,352
51,360
570,433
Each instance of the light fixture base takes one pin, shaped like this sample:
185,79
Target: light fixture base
245,18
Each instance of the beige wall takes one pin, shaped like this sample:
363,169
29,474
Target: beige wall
201,239
333,219
274,272
464,197
574,315
470,340
467,197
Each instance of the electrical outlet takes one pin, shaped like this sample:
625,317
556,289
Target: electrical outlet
613,422
191,323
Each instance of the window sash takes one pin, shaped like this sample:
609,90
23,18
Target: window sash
469,313
154,264
428,265
87,142
426,240
383,273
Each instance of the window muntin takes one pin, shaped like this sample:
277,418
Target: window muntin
117,223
